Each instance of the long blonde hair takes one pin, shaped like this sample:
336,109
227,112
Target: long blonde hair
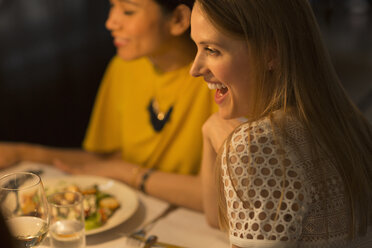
285,34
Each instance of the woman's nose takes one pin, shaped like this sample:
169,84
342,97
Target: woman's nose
196,68
113,21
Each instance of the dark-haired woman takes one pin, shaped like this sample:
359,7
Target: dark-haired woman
145,128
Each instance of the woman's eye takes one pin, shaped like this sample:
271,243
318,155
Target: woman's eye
128,12
211,51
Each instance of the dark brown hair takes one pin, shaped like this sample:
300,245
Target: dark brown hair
170,5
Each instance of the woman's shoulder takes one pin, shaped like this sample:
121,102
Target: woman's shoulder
270,127
265,139
251,142
250,130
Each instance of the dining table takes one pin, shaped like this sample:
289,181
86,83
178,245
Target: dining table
182,227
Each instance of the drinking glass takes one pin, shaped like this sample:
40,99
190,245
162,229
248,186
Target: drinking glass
67,228
25,208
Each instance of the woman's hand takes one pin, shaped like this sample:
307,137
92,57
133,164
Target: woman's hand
216,130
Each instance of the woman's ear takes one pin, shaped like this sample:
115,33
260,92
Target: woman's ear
180,20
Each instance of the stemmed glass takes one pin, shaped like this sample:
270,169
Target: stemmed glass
25,208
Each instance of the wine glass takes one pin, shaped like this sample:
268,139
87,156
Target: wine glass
25,208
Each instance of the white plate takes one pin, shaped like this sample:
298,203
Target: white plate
124,194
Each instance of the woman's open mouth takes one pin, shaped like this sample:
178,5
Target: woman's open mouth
120,42
221,91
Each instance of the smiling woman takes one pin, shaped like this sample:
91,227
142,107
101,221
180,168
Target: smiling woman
137,28
145,127
225,64
298,172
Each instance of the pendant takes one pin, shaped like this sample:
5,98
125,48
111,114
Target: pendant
158,119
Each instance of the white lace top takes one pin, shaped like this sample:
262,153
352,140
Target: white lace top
262,213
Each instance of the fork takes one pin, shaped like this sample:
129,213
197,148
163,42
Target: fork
138,242
137,237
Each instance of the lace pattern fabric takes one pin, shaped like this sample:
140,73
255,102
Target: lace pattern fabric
276,193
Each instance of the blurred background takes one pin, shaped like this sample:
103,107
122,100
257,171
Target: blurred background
53,54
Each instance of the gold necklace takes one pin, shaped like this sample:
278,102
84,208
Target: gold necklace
155,106
158,118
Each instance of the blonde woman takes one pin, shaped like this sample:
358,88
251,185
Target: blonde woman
298,173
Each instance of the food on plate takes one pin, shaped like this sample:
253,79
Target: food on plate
99,206
109,202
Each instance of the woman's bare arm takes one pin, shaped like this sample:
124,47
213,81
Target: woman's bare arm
215,131
12,153
181,190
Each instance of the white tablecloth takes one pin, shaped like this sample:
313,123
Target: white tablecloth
182,227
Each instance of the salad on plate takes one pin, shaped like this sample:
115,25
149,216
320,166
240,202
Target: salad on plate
99,206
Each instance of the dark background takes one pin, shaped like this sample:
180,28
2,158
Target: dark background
52,57
53,54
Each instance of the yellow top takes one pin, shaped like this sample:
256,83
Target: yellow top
121,120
